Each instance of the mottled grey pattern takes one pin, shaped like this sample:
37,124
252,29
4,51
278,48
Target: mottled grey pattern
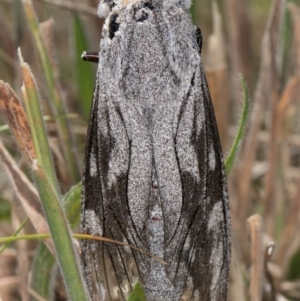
154,175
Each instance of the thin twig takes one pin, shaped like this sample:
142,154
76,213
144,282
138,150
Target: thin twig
257,257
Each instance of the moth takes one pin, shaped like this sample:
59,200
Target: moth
154,175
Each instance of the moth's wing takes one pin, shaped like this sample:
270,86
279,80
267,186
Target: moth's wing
109,269
92,212
199,252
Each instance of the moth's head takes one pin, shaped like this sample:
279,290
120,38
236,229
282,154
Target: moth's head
105,6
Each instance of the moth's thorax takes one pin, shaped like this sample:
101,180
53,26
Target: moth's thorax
148,51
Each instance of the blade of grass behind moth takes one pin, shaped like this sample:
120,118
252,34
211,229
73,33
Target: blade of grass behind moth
138,293
241,130
42,273
61,236
85,75
36,122
193,11
56,103
72,203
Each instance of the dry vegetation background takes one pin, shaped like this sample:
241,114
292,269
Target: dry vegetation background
259,39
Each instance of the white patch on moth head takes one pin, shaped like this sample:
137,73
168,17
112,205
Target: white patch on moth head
93,165
103,10
212,158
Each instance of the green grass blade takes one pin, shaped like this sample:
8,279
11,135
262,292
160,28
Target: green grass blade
193,11
36,123
85,74
241,130
72,203
138,293
64,133
61,236
4,210
42,276
6,245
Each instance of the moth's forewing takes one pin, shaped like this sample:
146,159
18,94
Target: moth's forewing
154,175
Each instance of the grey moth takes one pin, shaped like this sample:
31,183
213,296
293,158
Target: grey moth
154,176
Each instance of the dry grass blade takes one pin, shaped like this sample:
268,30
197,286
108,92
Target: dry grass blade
290,288
7,264
57,102
266,89
295,13
36,296
291,230
257,257
289,94
273,86
17,120
101,238
239,30
47,29
26,193
217,76
36,122
70,5
22,255
236,290
7,282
